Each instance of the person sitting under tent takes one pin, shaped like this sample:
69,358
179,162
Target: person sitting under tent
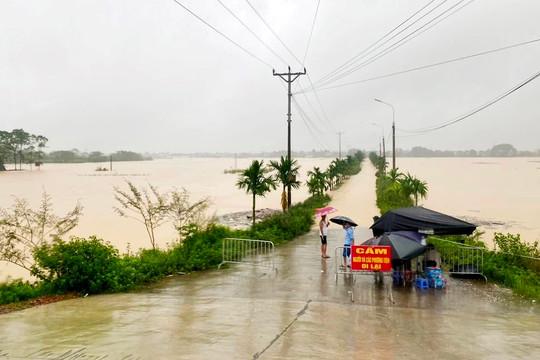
432,258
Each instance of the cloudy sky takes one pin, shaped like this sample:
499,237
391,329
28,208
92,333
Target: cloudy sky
196,75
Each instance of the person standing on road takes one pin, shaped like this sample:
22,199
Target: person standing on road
349,241
323,233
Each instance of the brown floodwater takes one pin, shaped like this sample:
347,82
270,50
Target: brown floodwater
497,194
298,312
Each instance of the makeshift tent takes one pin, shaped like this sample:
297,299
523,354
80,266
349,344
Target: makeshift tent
422,220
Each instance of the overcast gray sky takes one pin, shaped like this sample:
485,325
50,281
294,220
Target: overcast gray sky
148,76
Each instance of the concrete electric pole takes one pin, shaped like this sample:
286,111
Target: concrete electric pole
289,77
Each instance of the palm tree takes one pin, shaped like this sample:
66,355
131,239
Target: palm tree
287,170
256,182
317,182
395,175
415,187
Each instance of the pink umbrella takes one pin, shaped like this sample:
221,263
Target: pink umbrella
325,211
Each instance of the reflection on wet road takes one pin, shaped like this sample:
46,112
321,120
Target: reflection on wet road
299,312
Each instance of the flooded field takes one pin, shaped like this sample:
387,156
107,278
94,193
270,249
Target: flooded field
299,311
497,194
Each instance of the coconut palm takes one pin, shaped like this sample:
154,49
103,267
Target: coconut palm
256,181
395,175
287,170
415,187
317,182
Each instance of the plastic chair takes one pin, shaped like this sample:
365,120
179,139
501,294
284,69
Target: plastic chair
421,283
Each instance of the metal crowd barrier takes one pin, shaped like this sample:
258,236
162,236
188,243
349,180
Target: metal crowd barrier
377,275
248,251
462,260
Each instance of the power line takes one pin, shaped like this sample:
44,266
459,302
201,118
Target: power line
220,33
463,117
398,43
258,38
317,136
428,66
273,32
404,40
311,32
346,64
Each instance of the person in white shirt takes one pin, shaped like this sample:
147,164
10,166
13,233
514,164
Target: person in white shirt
323,233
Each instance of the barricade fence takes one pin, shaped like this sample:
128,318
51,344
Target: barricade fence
460,259
378,276
248,251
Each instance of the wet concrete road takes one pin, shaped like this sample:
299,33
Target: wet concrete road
242,312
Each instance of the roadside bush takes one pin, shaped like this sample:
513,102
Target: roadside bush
146,266
284,227
201,249
80,265
94,266
18,290
391,195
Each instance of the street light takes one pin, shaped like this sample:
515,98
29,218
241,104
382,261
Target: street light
393,133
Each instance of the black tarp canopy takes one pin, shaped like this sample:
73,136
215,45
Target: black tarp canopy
425,221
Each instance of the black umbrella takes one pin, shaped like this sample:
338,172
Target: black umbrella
342,220
406,245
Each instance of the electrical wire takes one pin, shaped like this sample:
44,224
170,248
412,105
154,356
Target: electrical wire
311,32
220,33
317,136
406,39
257,37
346,64
472,112
428,66
273,32
397,44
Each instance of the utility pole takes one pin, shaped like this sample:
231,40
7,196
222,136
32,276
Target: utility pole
289,77
339,133
393,133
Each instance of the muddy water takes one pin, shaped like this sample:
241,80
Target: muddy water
497,194
69,183
298,312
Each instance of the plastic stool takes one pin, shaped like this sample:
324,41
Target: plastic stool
421,283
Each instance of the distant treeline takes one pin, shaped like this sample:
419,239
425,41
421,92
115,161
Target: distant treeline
501,150
75,156
19,147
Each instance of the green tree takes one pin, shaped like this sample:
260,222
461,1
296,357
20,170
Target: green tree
153,209
20,140
256,182
146,206
287,170
395,175
23,230
185,213
415,187
317,182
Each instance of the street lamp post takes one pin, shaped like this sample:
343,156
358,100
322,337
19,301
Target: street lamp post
393,133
